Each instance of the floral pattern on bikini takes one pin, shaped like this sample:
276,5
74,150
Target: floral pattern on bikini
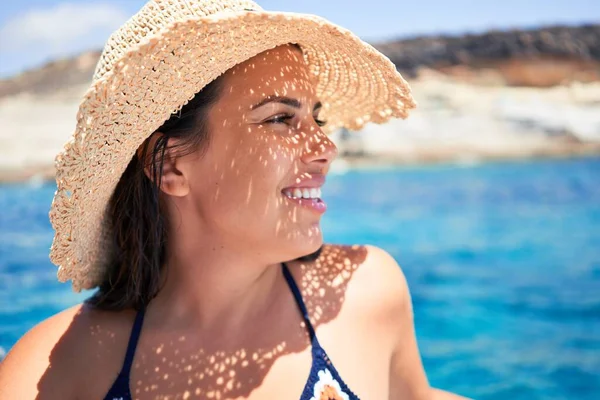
327,388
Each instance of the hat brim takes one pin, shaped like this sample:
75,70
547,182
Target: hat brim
154,79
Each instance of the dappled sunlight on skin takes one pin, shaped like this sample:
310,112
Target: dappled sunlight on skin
178,365
323,282
167,370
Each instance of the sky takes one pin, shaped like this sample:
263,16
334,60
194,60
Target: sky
33,32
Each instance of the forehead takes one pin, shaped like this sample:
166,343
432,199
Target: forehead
280,71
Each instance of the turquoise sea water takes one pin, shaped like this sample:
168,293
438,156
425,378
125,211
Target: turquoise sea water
503,261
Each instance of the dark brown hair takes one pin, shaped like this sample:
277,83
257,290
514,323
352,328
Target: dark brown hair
136,218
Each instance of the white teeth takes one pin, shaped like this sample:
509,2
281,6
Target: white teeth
304,193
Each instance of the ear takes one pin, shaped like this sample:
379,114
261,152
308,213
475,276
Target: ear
173,181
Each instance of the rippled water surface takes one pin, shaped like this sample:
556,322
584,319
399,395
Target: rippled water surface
503,261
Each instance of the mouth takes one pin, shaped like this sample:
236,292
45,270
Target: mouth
302,193
306,197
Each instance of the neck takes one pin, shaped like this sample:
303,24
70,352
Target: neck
213,285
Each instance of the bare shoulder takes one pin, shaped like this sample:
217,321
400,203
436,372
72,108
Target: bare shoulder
371,273
364,280
29,358
54,352
378,285
382,274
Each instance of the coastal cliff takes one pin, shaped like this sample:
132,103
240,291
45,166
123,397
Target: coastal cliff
541,58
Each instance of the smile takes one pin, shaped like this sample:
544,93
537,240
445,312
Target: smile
306,197
303,193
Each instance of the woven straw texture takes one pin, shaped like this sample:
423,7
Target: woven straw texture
155,63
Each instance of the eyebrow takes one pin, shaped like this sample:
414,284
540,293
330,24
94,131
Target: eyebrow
283,100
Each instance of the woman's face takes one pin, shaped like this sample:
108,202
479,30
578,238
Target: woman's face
266,149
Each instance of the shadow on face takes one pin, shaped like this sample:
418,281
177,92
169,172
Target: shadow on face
265,143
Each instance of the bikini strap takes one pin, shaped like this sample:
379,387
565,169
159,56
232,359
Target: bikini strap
299,301
133,341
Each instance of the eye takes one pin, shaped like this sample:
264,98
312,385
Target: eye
279,119
283,118
320,122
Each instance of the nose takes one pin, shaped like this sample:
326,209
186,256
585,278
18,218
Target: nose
319,149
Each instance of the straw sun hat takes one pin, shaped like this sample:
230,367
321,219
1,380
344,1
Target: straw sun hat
155,63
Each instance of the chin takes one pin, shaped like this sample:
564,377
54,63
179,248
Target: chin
307,243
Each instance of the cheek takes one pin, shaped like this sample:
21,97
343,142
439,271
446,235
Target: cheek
250,179
266,158
245,173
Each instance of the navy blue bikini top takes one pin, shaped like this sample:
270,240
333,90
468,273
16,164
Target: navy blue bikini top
323,382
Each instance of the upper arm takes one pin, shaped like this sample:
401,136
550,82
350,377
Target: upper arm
27,372
406,373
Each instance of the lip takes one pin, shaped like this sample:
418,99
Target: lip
316,205
315,181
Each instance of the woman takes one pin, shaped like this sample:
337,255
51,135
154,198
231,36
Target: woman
200,227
